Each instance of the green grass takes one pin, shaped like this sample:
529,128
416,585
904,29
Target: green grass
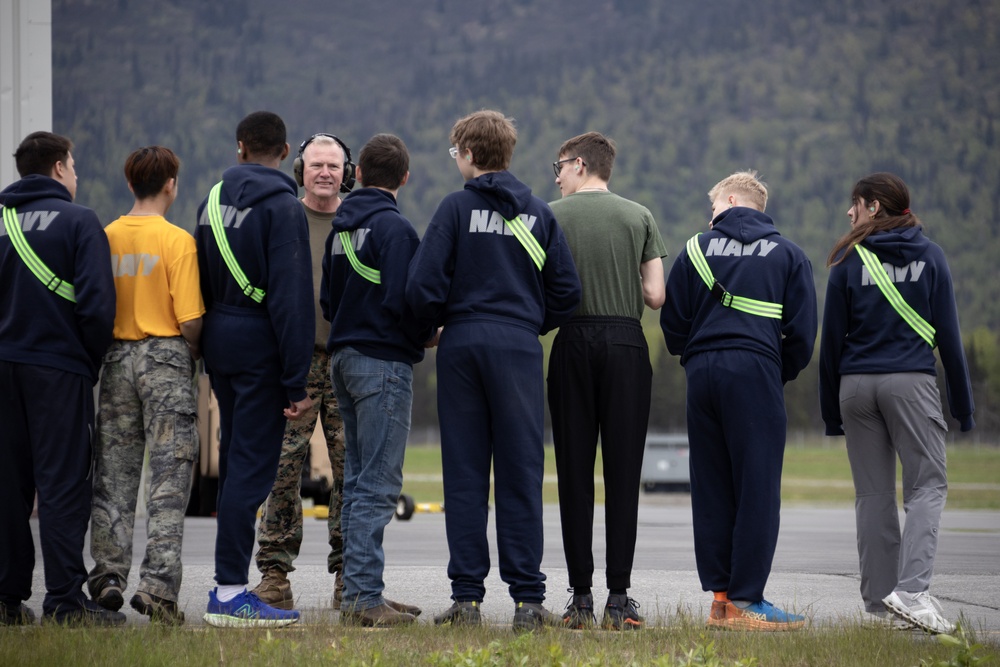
678,640
815,472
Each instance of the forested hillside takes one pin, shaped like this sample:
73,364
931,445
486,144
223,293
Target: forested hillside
814,95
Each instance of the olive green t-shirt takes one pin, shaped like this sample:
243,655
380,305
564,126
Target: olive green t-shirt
319,229
610,237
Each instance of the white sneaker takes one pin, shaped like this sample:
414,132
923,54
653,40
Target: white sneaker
883,619
921,609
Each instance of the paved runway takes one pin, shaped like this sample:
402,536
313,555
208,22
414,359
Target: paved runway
815,569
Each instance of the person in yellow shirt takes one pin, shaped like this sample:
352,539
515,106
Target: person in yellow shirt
147,396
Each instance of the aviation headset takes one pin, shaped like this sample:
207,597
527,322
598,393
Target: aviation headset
298,166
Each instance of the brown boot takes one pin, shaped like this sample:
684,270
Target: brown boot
338,592
380,616
275,590
404,608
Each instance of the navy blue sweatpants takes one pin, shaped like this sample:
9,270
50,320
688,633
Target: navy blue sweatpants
491,410
46,429
736,428
241,355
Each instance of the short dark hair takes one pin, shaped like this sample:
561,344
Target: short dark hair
262,133
597,151
149,168
39,151
384,162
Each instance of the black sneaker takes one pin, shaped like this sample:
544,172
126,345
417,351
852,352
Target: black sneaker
109,593
621,613
20,614
460,613
530,616
579,612
89,614
158,609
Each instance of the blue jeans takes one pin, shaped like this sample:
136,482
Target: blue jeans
374,398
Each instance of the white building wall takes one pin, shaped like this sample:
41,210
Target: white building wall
25,76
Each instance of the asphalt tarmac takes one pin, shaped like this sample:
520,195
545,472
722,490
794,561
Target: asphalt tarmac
815,569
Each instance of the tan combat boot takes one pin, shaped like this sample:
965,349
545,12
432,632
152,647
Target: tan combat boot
275,590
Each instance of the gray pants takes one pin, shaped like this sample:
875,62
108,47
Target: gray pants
885,416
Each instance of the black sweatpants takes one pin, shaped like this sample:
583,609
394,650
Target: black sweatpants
599,383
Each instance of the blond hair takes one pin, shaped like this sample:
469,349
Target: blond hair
744,184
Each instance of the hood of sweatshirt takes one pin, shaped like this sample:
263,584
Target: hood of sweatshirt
898,246
744,224
505,194
360,206
247,184
32,187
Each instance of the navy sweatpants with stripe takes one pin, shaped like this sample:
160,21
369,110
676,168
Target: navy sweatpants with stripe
46,443
491,410
736,427
241,355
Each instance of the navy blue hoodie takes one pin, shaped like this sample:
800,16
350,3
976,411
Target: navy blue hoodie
469,263
37,326
373,319
863,334
269,236
751,259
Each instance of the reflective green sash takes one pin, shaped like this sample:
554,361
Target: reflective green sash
741,303
530,243
881,278
366,272
219,231
34,263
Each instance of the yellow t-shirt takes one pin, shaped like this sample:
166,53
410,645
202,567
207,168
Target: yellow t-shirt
155,265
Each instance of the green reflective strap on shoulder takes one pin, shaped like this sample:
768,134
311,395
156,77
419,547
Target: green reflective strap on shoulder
34,263
530,243
366,272
699,261
219,232
877,272
740,303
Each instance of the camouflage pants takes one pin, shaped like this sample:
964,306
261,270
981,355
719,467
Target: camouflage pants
279,534
147,399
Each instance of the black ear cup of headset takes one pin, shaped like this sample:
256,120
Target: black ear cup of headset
298,166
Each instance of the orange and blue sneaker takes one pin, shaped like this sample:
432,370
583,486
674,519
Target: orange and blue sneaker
621,613
717,615
762,617
246,611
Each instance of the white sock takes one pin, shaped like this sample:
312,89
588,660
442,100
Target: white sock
227,593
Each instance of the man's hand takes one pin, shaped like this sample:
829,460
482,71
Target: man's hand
435,339
297,409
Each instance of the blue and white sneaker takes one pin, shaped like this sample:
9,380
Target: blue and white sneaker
762,616
246,611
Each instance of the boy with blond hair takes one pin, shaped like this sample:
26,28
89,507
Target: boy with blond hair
741,314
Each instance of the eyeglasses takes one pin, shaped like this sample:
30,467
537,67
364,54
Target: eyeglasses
557,165
453,152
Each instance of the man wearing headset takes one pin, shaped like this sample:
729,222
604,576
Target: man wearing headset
324,169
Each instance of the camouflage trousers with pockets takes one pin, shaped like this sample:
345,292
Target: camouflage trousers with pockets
279,535
147,400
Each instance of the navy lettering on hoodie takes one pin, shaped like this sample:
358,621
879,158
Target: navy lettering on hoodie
268,233
751,259
470,265
371,318
863,334
38,326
